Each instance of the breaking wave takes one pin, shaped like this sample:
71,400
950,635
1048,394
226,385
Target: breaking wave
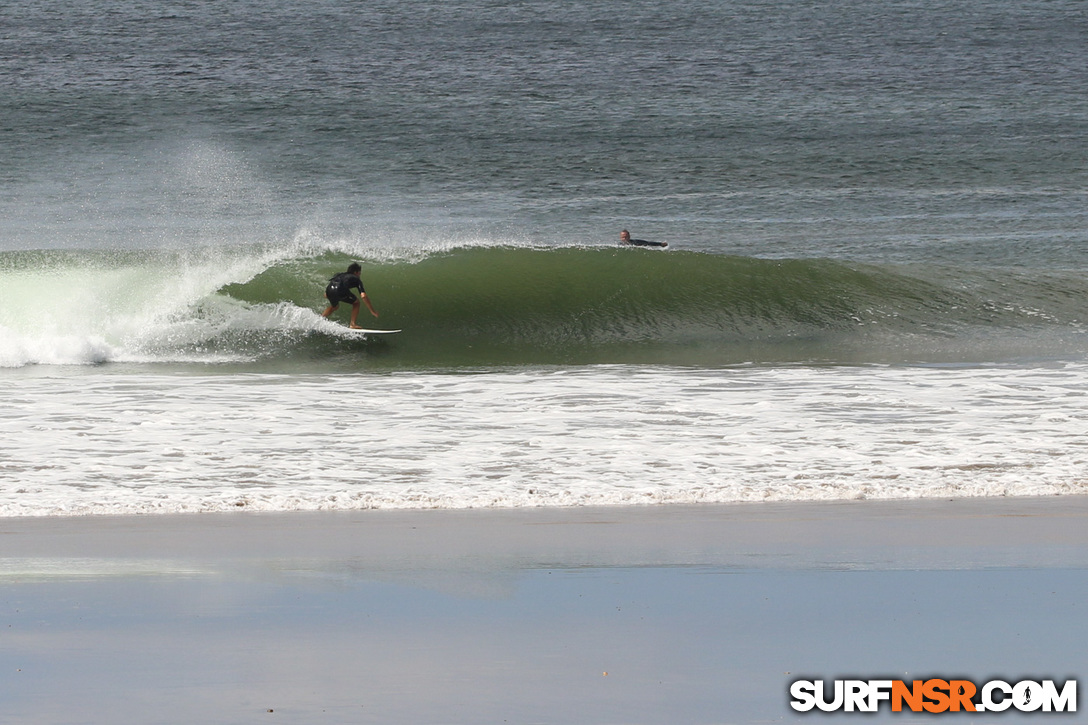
500,305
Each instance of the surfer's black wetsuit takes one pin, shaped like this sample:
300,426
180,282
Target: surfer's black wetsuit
340,286
644,243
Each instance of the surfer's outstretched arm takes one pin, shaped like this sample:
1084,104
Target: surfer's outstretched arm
355,310
369,306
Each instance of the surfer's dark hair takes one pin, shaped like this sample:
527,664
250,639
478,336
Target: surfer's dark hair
354,268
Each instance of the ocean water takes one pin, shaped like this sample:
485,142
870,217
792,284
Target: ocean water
874,288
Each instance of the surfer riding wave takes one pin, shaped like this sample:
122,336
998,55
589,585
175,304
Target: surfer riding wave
340,289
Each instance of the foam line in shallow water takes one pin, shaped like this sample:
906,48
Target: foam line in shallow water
565,437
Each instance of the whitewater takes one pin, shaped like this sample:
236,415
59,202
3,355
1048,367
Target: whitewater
599,435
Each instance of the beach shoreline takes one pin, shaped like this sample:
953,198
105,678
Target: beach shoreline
971,532
626,614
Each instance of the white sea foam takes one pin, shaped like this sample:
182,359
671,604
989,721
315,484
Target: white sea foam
117,443
153,309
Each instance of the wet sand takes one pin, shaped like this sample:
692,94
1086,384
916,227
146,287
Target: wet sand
679,614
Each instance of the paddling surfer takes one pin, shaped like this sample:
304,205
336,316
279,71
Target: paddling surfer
340,290
625,239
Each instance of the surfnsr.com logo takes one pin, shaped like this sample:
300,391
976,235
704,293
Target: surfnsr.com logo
933,695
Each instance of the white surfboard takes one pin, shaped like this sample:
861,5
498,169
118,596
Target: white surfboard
372,332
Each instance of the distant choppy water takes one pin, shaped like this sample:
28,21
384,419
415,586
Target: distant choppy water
875,209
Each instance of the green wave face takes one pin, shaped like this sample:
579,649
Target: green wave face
502,305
